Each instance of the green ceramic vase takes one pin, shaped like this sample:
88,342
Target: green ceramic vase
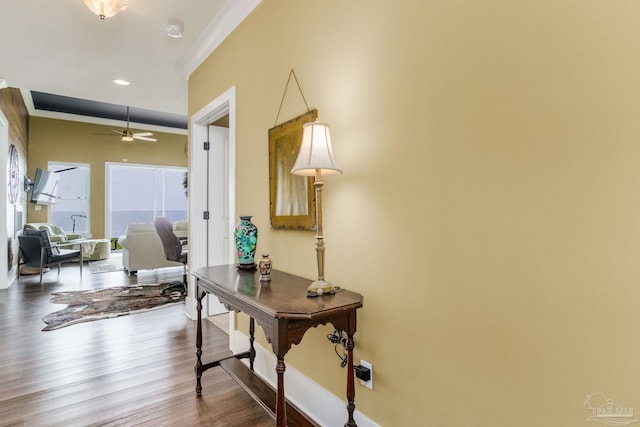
246,239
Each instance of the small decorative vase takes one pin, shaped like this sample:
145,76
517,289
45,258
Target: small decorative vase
264,266
246,238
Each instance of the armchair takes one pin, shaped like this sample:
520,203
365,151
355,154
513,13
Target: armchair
37,251
142,249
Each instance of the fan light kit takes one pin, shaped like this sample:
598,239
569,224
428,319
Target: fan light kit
127,135
175,31
106,8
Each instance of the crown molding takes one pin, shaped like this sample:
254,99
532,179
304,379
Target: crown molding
226,21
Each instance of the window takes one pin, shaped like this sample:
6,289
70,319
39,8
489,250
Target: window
71,210
140,193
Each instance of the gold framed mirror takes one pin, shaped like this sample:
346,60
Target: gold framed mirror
292,198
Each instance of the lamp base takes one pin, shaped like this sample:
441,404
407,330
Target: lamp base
321,287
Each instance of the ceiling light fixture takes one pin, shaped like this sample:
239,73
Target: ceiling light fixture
175,31
106,8
121,82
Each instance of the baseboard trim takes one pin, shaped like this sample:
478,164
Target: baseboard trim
322,406
189,307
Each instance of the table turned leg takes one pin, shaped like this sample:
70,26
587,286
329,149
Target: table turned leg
198,367
351,391
252,338
281,412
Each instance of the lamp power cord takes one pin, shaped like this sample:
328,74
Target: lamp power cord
339,339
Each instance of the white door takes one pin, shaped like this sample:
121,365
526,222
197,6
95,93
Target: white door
218,225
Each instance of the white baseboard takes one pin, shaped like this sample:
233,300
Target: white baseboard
190,307
317,402
11,277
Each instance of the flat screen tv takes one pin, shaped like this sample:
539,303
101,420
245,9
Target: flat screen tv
45,187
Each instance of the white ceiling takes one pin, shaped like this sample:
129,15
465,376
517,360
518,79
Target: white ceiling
61,47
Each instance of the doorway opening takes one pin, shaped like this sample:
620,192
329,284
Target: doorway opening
212,190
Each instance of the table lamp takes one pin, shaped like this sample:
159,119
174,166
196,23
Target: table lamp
316,159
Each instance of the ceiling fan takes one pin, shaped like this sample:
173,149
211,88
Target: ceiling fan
127,135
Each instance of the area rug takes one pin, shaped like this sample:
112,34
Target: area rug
96,304
104,266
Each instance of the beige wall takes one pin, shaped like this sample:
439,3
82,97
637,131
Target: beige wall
15,112
66,141
489,210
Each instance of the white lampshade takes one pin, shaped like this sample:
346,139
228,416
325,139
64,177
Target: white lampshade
106,8
316,152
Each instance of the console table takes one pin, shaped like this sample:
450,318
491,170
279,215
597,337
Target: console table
281,307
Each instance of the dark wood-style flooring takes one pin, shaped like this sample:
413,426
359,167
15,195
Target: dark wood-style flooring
130,370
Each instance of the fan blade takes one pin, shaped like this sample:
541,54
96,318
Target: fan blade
143,134
144,138
119,132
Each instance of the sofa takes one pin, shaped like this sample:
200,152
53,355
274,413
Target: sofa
142,248
92,249
56,234
181,229
96,249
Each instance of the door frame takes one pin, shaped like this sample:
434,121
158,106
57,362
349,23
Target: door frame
224,104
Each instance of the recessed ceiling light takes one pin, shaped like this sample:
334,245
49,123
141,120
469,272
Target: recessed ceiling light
121,82
174,30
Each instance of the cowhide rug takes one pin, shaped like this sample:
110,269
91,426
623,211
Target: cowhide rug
96,304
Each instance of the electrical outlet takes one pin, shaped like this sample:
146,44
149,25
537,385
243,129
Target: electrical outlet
367,384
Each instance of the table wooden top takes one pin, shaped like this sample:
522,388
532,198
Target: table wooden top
284,297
